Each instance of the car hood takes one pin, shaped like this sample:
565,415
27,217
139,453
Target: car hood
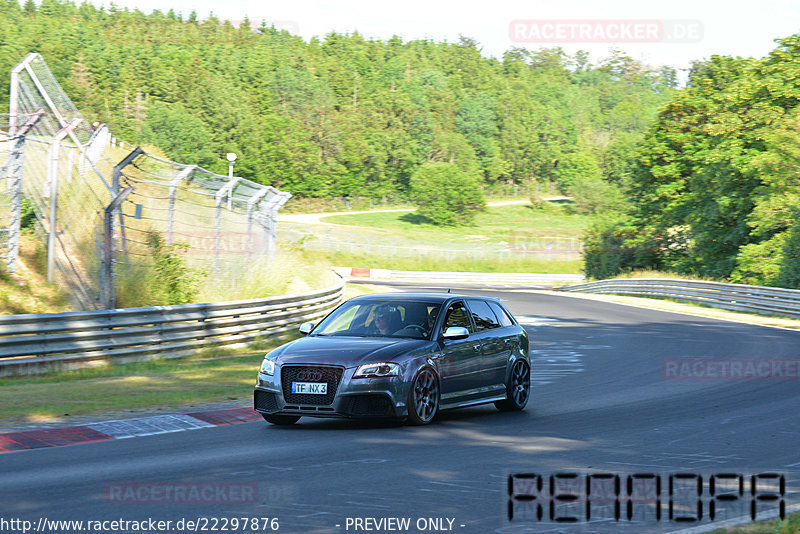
345,351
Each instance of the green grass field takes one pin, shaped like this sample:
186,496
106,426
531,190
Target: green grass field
497,223
510,238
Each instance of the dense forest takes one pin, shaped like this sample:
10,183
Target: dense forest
700,180
341,115
715,190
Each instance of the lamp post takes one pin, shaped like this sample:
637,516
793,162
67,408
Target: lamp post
231,158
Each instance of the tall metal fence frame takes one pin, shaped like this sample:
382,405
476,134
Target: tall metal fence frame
86,251
11,172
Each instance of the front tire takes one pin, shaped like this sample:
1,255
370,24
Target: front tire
518,388
281,420
423,399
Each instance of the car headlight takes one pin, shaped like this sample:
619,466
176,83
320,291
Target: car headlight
377,370
268,367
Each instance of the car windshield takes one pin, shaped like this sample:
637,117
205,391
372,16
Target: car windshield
411,319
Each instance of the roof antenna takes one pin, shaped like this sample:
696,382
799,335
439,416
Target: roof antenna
448,290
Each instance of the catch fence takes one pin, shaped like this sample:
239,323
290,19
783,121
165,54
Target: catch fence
107,208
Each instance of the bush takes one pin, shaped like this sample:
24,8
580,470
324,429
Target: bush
172,282
759,263
446,195
27,215
789,275
590,196
611,247
537,193
574,167
774,262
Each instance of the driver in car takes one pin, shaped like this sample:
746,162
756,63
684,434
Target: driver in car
387,320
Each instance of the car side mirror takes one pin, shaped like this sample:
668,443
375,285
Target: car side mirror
456,332
305,328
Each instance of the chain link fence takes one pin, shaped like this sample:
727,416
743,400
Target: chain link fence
107,209
7,189
346,240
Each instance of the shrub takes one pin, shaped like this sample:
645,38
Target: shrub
611,247
590,196
574,167
446,195
759,263
789,275
27,215
172,282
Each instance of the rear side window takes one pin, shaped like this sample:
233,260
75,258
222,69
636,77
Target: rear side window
501,314
482,315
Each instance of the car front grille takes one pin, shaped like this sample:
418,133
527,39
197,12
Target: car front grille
307,373
264,401
368,405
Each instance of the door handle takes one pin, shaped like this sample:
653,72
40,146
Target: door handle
476,347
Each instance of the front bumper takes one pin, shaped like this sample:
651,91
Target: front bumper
348,397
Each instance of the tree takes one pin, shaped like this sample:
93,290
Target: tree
339,115
446,195
476,120
172,282
574,168
183,137
596,196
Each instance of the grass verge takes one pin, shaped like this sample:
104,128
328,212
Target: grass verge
434,263
497,223
663,274
213,375
790,525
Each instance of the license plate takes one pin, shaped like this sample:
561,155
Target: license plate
310,388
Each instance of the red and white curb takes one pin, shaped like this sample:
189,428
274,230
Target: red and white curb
123,428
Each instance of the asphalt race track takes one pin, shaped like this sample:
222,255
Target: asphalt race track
611,394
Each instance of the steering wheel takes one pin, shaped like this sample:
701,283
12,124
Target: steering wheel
417,328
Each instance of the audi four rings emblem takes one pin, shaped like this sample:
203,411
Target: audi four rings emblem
312,376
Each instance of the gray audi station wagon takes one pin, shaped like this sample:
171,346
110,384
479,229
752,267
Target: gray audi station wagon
399,355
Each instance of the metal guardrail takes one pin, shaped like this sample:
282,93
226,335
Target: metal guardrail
42,342
738,297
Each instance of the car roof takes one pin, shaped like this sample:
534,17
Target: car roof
427,297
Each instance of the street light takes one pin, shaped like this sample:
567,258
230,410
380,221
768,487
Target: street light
231,158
